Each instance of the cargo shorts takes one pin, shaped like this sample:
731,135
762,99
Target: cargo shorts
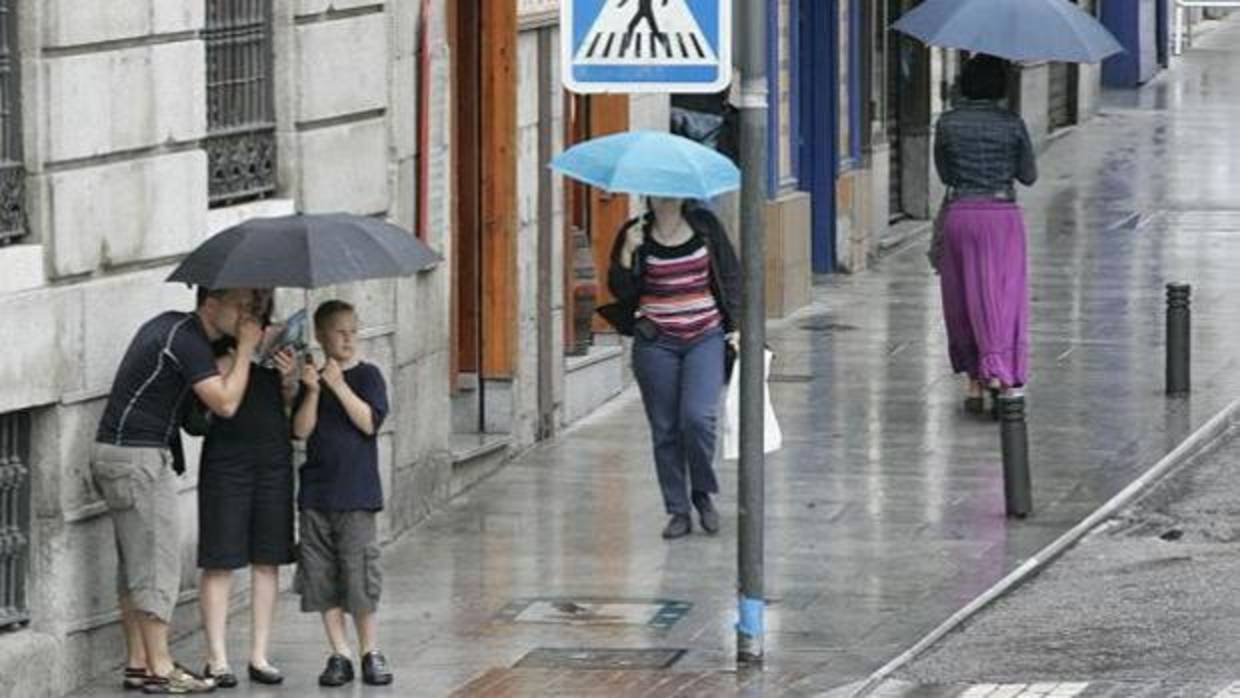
139,487
338,561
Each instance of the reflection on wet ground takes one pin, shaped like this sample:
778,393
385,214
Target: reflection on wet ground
885,508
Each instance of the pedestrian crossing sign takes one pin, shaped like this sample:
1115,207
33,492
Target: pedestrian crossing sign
647,45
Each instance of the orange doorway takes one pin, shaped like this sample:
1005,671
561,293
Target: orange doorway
599,214
483,289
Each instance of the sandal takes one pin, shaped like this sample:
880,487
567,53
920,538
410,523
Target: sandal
135,678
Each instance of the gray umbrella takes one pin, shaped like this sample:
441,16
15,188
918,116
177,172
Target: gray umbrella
1019,30
305,251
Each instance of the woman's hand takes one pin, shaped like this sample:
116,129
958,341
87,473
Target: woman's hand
733,338
309,376
633,239
286,364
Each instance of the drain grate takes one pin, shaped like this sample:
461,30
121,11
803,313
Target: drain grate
826,325
595,658
654,613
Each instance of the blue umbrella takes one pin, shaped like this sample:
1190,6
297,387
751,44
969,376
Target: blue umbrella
1019,30
650,163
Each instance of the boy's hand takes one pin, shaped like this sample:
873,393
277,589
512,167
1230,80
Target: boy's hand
332,376
310,376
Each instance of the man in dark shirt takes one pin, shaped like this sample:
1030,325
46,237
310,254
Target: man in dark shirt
340,494
137,456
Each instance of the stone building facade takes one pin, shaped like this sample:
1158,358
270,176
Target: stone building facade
145,126
133,150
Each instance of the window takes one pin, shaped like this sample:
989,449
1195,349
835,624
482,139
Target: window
14,517
12,172
241,129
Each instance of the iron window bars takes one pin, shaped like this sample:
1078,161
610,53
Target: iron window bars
14,517
241,129
12,171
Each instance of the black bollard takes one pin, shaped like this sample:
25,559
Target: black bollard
1014,439
1178,347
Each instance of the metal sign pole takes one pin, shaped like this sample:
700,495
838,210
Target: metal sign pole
751,52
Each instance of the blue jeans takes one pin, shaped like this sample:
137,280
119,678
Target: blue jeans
681,383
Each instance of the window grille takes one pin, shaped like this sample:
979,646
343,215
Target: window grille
12,172
241,129
14,517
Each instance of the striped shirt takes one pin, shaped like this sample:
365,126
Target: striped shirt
676,289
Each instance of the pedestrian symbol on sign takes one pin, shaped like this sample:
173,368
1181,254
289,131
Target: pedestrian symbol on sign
648,45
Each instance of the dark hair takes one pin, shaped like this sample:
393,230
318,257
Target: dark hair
984,77
327,309
204,293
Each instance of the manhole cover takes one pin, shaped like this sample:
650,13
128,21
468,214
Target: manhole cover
589,658
827,325
655,613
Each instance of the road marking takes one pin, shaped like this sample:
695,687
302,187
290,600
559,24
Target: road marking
1231,691
1026,690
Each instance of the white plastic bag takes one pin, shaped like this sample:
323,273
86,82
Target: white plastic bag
773,438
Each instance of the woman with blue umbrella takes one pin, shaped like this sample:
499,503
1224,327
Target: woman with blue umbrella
677,284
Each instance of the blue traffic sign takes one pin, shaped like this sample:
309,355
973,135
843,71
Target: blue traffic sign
647,45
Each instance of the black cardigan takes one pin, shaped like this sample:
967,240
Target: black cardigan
725,272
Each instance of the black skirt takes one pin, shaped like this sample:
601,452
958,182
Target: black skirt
245,488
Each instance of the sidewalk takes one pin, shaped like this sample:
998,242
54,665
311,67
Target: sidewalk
885,508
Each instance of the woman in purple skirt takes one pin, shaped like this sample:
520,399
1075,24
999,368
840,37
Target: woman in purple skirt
981,150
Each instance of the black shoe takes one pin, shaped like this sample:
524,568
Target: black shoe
975,405
224,678
375,669
706,513
679,526
339,671
270,675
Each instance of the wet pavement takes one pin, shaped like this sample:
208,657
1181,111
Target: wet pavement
885,508
1146,605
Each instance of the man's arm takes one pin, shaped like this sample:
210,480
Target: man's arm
222,394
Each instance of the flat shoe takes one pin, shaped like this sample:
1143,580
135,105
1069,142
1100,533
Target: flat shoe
223,678
270,675
679,526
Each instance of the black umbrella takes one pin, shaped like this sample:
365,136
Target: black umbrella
304,251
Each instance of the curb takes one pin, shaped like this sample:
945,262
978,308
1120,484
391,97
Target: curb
1205,435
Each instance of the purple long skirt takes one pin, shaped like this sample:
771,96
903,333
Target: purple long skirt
985,290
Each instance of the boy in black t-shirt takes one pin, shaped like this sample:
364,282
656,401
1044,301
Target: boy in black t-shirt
340,494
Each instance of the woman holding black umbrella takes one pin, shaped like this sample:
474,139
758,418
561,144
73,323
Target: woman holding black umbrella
245,503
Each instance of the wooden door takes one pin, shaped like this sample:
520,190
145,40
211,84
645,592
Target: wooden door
599,213
608,212
464,18
484,297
